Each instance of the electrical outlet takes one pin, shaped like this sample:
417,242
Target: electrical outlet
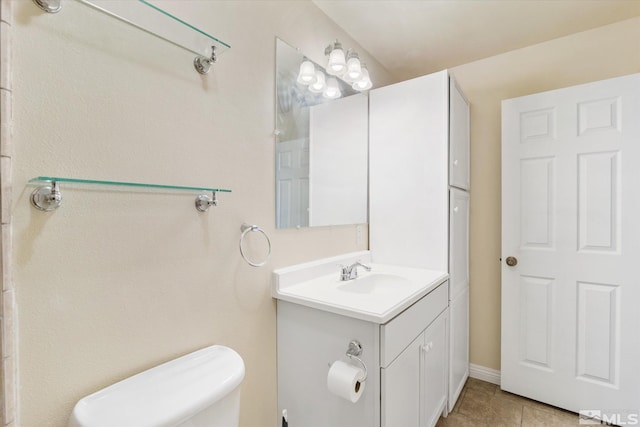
359,234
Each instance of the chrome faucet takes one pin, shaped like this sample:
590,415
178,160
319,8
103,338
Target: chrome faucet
350,272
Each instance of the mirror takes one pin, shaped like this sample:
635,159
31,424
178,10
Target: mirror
321,150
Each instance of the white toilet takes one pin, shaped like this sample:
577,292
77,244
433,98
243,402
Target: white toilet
196,390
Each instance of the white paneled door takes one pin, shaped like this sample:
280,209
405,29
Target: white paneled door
292,183
571,234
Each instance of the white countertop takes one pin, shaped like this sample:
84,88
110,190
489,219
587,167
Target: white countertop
374,299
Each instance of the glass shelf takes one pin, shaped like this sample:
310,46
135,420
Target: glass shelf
50,179
160,23
48,197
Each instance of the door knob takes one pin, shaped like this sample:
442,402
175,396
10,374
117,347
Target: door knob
512,261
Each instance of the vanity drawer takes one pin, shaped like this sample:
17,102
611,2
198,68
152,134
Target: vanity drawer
405,327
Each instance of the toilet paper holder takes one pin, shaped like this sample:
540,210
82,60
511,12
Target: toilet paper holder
353,352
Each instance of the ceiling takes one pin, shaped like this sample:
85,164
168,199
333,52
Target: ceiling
416,37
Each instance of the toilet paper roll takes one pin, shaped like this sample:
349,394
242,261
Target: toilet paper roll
343,380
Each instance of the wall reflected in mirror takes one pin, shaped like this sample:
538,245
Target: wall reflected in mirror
321,149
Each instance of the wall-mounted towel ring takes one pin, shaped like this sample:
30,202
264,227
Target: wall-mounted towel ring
246,229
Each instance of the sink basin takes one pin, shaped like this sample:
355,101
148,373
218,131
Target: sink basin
375,283
375,296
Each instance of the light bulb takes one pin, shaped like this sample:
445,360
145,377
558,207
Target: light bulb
307,74
332,90
354,69
319,85
337,63
365,81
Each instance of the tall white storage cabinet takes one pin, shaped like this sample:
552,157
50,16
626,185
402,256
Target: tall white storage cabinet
419,193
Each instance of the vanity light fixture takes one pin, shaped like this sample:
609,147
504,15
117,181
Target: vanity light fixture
307,73
349,69
337,63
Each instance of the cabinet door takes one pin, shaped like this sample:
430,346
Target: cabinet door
458,138
434,371
400,385
458,345
408,172
458,242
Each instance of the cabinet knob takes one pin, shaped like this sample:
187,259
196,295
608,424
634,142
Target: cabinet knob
512,261
427,347
455,209
455,163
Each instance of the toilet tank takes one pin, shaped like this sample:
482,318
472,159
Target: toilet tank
196,390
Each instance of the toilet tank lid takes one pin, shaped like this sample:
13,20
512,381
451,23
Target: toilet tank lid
166,394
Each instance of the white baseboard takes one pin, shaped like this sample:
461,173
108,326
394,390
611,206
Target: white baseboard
485,374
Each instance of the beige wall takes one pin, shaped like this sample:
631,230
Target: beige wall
117,281
598,54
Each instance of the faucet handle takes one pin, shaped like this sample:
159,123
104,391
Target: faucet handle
345,272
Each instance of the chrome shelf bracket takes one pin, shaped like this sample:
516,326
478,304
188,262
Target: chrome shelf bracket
204,202
47,197
202,63
49,6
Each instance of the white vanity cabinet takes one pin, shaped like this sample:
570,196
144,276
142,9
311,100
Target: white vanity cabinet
414,363
418,193
414,385
406,359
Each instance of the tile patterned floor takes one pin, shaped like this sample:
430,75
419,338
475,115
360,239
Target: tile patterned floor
482,404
